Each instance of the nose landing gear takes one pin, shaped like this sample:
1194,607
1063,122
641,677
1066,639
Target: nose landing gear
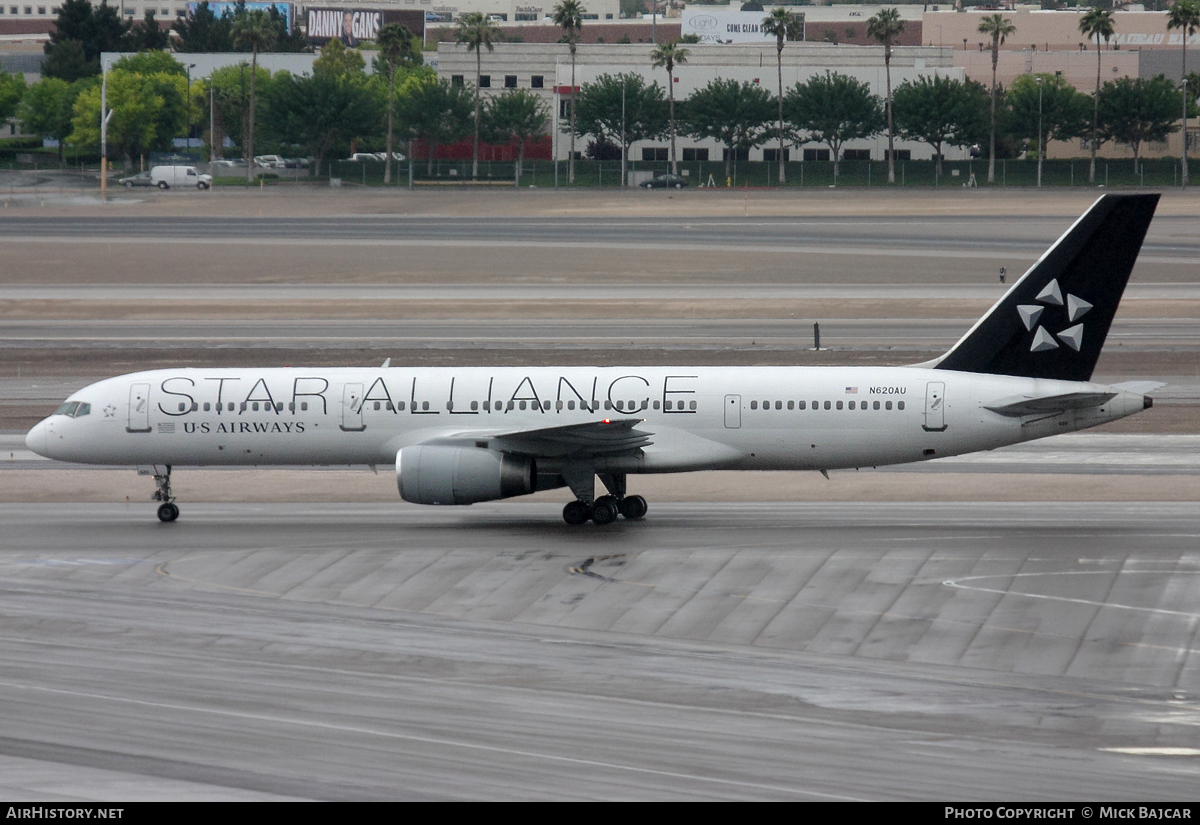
168,511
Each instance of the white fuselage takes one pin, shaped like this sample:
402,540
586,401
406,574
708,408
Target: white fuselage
750,418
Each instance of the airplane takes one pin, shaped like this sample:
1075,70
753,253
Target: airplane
464,435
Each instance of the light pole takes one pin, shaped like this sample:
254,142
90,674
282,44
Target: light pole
1039,83
1183,133
105,114
187,126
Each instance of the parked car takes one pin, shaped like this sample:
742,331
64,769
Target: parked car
270,161
361,156
164,177
228,163
140,179
665,182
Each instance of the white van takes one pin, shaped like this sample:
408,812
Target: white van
164,177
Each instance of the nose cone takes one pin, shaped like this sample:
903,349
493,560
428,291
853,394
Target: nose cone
37,438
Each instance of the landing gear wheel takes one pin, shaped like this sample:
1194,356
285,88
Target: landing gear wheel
576,512
168,512
633,507
605,510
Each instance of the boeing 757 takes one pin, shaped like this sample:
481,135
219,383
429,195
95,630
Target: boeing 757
466,435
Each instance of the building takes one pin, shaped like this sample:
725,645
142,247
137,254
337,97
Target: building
545,68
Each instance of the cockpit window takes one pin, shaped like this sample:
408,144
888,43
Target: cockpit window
74,409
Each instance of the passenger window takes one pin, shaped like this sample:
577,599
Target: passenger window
242,406
839,405
182,406
800,405
399,405
392,407
558,405
875,405
254,406
827,405
851,405
754,405
692,405
570,405
887,405
608,405
791,405
377,405
522,405
899,405
206,406
779,405
304,406
474,406
424,405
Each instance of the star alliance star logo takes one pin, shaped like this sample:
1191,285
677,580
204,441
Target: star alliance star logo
110,411
1052,295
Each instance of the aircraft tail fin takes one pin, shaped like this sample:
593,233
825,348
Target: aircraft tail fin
1053,321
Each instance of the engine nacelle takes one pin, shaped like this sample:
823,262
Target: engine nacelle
461,475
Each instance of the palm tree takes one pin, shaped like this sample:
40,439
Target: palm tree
783,25
254,30
1185,14
476,31
670,55
569,15
1095,24
393,39
998,28
885,27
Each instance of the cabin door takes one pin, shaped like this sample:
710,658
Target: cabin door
733,411
139,409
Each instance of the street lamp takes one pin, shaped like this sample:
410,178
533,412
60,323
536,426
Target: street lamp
1039,83
187,127
1183,133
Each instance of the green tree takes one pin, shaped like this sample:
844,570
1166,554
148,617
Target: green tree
12,89
396,48
255,31
323,113
670,55
151,63
147,35
336,59
736,114
1096,23
135,119
231,103
885,28
834,108
568,14
941,111
435,111
1133,111
600,110
782,25
203,31
997,27
47,108
517,116
477,32
1185,15
82,30
1063,110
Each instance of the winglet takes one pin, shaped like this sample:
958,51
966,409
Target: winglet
1053,321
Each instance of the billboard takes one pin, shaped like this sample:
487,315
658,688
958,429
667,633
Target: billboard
719,25
220,9
353,26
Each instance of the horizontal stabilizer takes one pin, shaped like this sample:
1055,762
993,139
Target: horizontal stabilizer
1140,387
1019,405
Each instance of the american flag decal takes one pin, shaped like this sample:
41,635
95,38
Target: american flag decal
851,390
166,428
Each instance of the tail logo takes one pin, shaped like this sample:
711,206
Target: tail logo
1051,295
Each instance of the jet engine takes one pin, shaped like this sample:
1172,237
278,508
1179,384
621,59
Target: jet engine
461,475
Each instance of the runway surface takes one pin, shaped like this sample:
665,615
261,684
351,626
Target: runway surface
856,651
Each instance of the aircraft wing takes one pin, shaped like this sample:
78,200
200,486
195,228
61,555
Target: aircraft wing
1019,405
589,439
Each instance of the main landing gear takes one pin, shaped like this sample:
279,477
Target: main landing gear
167,511
605,509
